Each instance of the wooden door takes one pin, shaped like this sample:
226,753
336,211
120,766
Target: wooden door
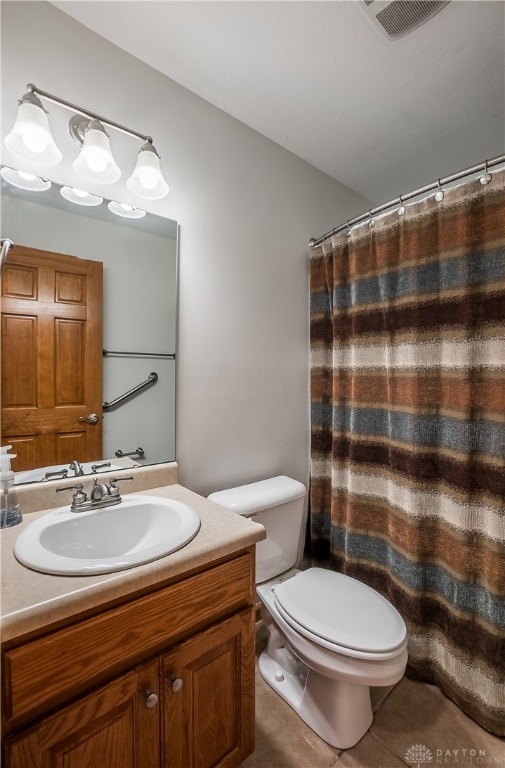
51,357
208,697
115,727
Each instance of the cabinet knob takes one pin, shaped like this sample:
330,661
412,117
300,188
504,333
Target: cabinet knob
176,683
150,699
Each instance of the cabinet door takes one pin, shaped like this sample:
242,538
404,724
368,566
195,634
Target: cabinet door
208,697
117,726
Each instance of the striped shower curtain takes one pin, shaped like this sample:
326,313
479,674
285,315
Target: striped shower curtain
408,430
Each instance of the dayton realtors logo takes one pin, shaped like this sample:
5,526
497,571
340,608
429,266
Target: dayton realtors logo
419,755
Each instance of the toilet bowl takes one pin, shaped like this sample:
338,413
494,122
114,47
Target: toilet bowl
330,637
326,681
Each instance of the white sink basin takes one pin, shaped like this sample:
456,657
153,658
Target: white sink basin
37,475
136,531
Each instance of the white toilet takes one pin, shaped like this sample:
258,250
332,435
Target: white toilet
330,636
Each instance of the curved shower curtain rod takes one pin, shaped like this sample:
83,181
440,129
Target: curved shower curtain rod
485,166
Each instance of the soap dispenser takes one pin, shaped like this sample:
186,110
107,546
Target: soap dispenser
10,513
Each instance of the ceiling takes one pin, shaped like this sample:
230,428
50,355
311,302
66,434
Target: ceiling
381,116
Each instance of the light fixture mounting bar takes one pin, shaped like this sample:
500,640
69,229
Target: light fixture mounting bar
87,113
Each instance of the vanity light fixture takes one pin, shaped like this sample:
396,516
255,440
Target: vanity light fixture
24,180
147,180
95,161
125,210
31,140
79,197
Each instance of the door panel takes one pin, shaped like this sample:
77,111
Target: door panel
19,348
111,728
208,697
51,357
69,361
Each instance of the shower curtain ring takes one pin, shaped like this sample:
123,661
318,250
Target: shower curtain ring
401,209
440,195
486,176
348,233
371,223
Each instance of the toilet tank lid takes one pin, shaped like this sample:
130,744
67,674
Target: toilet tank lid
253,497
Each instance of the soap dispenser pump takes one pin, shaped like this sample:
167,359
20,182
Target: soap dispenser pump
10,513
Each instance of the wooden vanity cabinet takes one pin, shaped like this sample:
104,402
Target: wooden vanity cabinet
188,704
110,727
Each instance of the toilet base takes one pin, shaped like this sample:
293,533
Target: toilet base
339,712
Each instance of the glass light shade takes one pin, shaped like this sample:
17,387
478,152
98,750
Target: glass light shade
79,197
30,138
95,161
24,180
125,210
147,179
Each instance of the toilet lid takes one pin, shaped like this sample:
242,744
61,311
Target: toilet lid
341,610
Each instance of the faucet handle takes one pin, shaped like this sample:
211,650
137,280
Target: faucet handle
61,474
96,467
79,497
114,490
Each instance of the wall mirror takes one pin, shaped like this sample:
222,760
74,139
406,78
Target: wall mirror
136,356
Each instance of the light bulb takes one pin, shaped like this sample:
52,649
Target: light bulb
30,138
96,158
95,161
27,176
24,180
125,210
80,197
147,179
36,140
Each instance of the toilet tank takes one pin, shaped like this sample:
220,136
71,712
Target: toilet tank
279,505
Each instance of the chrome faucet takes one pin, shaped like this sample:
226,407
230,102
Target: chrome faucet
77,467
99,491
101,495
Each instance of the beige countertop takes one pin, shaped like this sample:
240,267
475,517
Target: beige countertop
31,601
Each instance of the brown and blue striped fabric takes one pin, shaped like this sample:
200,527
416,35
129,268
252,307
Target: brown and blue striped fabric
408,430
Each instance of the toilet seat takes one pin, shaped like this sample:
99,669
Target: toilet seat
341,614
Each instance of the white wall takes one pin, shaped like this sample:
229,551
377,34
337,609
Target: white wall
246,209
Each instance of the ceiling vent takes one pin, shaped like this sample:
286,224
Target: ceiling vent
397,18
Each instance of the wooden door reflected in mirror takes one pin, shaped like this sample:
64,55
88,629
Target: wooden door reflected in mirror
51,357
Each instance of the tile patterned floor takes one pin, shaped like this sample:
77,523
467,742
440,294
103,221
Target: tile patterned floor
408,714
